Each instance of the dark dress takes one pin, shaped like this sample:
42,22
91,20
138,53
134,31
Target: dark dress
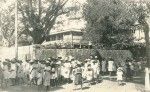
128,71
78,76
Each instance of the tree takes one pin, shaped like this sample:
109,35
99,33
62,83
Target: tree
39,20
142,13
7,25
109,22
108,12
143,10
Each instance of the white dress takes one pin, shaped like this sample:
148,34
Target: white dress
111,66
89,75
67,70
119,75
96,69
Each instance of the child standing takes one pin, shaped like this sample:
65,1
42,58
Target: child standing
78,75
120,75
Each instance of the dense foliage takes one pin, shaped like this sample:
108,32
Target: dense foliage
39,16
109,23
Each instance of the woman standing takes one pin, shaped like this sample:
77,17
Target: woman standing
89,74
67,70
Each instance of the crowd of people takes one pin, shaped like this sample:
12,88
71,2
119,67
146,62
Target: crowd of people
57,71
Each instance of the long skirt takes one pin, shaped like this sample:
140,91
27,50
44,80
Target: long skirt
78,79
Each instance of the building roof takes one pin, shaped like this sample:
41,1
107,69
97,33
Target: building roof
65,31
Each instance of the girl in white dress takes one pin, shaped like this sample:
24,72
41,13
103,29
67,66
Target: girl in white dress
89,74
120,75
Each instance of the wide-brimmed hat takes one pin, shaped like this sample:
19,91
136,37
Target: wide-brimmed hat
14,60
96,57
28,60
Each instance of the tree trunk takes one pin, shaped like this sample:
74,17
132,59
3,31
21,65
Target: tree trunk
40,10
146,32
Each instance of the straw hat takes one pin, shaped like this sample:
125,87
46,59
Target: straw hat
96,57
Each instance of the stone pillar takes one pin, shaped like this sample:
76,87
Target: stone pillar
147,80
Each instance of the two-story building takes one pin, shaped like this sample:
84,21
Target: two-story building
67,36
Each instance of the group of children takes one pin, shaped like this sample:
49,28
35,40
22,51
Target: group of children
53,72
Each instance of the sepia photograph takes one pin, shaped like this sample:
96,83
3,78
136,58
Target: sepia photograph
74,45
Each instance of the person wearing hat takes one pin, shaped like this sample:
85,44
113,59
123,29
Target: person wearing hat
53,75
96,69
13,71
